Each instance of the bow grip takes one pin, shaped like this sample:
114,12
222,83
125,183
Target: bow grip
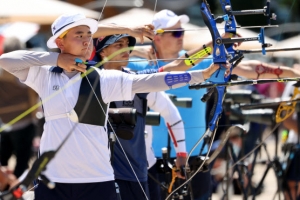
219,75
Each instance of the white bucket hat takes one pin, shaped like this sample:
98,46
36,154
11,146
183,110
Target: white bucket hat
167,18
68,21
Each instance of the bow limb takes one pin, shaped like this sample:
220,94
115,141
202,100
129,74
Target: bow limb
219,58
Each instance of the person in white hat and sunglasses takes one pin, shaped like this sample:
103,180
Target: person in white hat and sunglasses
169,45
81,168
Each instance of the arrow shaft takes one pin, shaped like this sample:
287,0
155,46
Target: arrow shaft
248,12
265,105
245,82
270,50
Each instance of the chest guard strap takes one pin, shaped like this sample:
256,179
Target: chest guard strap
94,114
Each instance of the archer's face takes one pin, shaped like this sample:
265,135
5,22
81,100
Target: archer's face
168,42
120,45
77,42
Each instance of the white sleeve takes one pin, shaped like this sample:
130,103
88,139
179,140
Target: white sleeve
115,85
156,82
37,78
19,62
160,102
149,150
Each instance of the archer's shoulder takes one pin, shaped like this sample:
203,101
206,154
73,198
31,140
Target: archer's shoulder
111,73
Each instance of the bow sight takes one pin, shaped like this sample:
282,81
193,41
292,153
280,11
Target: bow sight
230,24
265,11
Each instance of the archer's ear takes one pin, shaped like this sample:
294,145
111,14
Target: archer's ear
156,37
59,43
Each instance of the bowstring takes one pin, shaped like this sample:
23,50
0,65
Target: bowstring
152,42
91,40
118,140
72,128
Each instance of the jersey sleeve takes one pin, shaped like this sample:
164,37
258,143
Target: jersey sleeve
160,102
37,78
115,85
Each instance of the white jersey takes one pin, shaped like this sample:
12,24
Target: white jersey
85,157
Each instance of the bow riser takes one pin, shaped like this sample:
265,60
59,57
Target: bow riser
219,57
219,51
219,54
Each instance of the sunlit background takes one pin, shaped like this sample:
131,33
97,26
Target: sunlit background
30,20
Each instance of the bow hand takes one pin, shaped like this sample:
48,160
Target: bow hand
70,62
180,162
215,69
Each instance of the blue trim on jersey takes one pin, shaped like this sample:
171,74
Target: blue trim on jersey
56,69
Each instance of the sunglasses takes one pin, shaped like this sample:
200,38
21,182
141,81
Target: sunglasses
176,34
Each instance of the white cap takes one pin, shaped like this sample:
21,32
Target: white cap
68,21
167,18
